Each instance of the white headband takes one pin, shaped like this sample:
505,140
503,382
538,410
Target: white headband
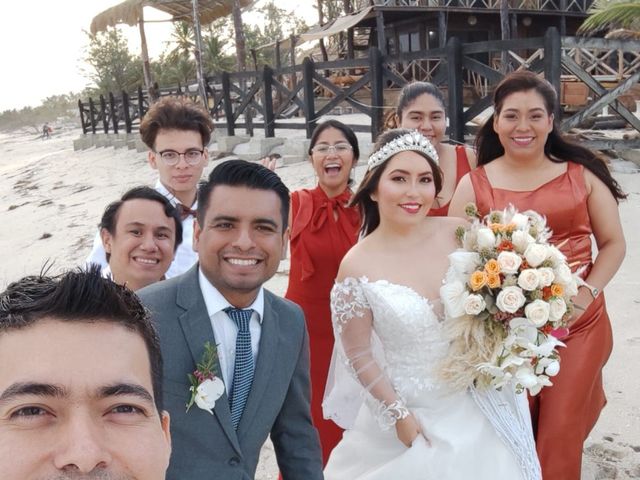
413,141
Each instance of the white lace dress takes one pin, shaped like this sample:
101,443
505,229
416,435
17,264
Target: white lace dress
389,343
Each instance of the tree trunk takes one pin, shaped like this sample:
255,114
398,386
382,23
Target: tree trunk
198,54
504,24
146,69
238,28
323,49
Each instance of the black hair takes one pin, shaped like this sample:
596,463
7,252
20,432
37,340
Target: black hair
362,198
110,216
175,113
557,147
84,297
240,173
413,90
348,133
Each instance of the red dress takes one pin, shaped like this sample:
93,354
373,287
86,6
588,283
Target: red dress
564,414
462,168
319,241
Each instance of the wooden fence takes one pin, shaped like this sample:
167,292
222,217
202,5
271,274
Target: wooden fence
271,98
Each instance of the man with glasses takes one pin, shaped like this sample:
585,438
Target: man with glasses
177,132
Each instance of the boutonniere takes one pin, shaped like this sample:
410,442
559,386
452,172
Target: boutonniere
206,387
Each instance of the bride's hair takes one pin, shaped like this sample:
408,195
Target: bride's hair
369,185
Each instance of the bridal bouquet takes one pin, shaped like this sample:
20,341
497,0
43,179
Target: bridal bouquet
507,289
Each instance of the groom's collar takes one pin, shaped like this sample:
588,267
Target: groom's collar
215,301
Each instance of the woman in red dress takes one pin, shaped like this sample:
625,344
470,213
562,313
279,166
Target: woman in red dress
323,229
524,160
421,107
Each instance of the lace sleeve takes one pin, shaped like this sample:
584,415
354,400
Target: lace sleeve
355,342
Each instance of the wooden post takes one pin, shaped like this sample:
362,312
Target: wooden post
294,78
382,43
456,110
141,103
198,54
114,113
563,18
92,115
442,30
278,67
269,118
309,99
254,56
103,110
377,91
504,27
514,25
228,107
82,120
125,110
552,62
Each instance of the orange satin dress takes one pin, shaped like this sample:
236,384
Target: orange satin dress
462,168
564,414
323,230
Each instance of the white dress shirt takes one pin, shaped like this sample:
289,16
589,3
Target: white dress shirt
225,329
185,256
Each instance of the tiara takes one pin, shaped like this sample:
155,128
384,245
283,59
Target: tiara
413,141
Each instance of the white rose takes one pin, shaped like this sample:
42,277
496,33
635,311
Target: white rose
464,262
521,221
546,276
509,262
453,295
535,254
485,238
537,312
528,279
555,255
557,309
553,368
563,274
474,304
571,288
208,392
510,299
521,240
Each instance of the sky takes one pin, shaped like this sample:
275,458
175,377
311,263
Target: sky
42,44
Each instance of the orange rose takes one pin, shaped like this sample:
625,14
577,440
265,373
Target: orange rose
478,280
493,280
497,227
557,290
492,266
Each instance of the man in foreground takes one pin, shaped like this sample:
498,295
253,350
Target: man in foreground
80,383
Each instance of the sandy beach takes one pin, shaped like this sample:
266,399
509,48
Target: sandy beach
51,199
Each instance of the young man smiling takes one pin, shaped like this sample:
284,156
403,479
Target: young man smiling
177,132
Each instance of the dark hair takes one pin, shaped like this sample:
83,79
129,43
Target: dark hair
557,147
369,185
413,90
175,113
83,297
344,129
110,215
240,173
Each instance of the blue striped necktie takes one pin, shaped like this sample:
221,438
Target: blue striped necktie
243,368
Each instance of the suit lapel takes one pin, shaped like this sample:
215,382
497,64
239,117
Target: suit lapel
197,330
264,363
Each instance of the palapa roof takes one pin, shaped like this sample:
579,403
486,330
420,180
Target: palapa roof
128,12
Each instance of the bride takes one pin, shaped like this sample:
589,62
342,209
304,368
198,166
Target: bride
403,421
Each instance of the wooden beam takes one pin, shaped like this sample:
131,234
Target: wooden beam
382,43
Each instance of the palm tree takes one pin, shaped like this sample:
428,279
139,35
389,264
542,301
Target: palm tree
612,14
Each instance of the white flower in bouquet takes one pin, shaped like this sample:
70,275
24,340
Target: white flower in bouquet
485,238
537,312
545,349
453,295
552,369
546,276
474,304
535,254
556,256
563,274
529,279
509,262
520,221
557,309
464,263
521,240
510,299
526,377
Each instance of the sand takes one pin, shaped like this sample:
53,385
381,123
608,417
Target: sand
51,199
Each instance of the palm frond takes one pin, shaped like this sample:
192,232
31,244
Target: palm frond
609,16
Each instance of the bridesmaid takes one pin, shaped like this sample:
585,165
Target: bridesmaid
421,107
323,229
525,161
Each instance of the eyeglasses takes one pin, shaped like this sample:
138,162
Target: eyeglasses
338,149
193,156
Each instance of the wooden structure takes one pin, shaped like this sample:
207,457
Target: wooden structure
269,99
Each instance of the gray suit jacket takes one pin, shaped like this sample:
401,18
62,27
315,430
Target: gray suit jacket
206,446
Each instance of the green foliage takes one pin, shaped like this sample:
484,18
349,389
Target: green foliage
113,67
52,108
612,14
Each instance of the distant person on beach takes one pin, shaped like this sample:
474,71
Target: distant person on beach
80,383
140,234
177,132
46,131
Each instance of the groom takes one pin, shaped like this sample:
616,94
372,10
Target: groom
261,339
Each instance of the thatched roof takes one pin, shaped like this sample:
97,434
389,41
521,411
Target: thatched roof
128,12
623,34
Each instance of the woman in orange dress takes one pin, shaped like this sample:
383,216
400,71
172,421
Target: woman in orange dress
524,160
421,107
323,229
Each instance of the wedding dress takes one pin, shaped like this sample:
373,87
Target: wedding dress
389,343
